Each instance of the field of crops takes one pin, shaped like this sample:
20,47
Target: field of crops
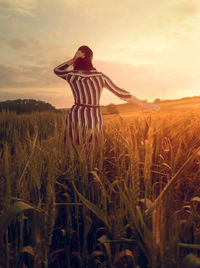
130,200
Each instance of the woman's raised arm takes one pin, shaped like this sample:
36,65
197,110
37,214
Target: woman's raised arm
61,70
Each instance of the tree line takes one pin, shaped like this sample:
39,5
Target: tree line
21,106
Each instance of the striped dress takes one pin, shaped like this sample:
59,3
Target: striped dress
86,87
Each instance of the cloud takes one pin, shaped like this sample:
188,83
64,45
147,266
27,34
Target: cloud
27,77
154,40
180,20
33,50
57,32
29,44
24,7
186,9
18,43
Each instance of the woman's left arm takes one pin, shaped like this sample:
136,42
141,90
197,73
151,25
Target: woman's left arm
148,106
126,96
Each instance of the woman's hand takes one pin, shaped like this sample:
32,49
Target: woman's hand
151,107
79,54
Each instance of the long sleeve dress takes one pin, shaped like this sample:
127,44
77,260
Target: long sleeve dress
86,87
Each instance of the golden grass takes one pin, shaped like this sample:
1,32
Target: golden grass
98,198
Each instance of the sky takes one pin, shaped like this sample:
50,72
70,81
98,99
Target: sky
148,47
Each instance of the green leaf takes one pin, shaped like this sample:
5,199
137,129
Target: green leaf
26,253
193,246
13,211
144,203
103,240
195,199
29,250
98,212
191,261
95,254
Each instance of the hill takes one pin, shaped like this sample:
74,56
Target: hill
165,105
26,106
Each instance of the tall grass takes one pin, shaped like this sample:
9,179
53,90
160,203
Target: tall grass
106,204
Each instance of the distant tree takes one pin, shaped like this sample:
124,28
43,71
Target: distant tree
26,106
156,100
112,109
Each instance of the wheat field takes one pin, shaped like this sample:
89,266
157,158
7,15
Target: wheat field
130,200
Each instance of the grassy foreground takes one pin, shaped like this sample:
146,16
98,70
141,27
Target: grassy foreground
132,200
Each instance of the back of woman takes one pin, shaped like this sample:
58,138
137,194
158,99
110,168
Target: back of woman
87,84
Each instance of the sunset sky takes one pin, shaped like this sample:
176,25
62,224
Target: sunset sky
149,47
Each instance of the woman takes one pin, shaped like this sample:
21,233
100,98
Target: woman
87,85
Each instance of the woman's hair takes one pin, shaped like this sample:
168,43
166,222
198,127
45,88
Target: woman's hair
86,62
